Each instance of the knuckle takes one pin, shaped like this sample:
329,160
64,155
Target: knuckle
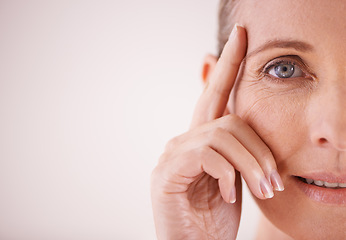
163,158
234,63
219,91
253,163
229,174
233,122
267,155
172,143
202,153
232,117
216,133
155,175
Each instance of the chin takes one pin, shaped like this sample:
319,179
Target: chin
305,210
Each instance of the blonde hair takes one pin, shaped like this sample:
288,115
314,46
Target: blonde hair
226,21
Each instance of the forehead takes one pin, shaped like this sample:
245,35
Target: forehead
320,23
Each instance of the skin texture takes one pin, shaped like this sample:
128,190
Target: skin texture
303,121
295,125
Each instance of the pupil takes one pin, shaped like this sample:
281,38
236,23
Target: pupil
284,70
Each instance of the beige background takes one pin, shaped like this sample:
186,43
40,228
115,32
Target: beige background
90,91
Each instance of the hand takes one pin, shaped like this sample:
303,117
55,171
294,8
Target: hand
196,187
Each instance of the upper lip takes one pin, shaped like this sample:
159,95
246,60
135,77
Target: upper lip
325,177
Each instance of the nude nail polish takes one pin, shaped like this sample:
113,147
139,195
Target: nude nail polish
233,195
266,188
276,181
234,32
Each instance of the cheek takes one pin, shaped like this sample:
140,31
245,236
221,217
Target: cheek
277,117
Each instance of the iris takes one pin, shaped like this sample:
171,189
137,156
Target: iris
284,70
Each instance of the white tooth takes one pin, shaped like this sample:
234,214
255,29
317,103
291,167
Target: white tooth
319,183
309,181
330,185
343,185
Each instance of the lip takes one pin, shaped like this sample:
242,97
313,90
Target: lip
326,177
321,194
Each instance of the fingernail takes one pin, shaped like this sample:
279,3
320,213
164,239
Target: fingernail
276,181
234,31
266,188
233,195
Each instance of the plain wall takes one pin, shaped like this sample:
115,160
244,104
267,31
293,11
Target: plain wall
90,92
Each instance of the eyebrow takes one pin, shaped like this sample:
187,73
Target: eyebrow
297,45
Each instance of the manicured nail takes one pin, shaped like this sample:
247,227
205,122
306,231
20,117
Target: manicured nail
233,195
234,32
266,188
276,181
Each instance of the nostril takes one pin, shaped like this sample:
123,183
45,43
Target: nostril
339,145
322,141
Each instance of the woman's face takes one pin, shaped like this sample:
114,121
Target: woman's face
293,93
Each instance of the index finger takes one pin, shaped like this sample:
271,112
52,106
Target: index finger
213,101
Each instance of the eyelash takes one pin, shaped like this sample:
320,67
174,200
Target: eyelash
277,61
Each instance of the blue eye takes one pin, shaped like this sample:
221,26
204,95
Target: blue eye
285,70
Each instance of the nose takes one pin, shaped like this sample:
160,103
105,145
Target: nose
327,116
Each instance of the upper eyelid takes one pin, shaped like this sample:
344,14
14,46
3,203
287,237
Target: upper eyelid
282,59
275,63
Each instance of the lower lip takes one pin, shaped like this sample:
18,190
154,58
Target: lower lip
321,194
